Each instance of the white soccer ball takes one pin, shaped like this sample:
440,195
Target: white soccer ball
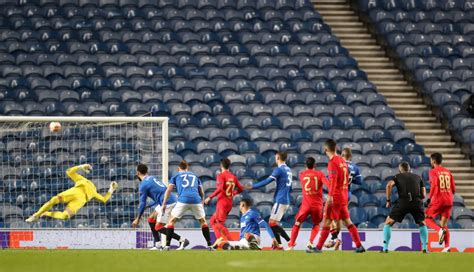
55,126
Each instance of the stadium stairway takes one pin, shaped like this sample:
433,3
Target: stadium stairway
400,95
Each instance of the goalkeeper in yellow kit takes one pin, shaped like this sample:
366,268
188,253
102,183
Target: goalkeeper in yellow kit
75,198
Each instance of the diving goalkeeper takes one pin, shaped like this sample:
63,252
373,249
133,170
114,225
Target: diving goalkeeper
75,198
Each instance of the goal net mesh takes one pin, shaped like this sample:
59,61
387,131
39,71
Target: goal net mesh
33,162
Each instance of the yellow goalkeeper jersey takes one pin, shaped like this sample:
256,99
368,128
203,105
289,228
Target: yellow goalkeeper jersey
85,185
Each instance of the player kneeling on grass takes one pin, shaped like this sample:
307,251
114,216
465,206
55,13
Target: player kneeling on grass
75,198
155,189
190,198
250,224
411,192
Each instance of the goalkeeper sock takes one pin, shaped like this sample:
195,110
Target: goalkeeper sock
169,235
424,237
276,234
387,234
314,232
156,235
47,206
58,215
283,233
206,234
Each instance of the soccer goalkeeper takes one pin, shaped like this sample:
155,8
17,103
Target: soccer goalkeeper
75,198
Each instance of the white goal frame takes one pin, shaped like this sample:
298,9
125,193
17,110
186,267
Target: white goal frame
103,119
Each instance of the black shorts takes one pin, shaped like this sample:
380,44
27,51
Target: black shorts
402,208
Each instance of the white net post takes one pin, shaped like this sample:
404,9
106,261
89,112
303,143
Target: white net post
33,161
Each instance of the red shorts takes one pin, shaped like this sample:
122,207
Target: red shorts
336,212
305,210
222,211
439,209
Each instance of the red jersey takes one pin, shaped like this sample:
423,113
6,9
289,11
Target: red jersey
312,183
338,179
226,183
442,186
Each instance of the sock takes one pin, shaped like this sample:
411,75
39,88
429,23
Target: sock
156,235
432,224
294,234
387,235
314,232
169,234
206,234
276,234
447,238
354,235
283,233
58,215
223,231
424,237
173,236
47,206
323,237
334,234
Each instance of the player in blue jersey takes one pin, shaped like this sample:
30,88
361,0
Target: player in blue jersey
354,178
283,177
250,224
155,189
190,198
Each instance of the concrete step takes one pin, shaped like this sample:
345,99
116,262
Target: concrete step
348,42
342,12
430,132
315,2
393,100
356,37
367,49
463,176
345,23
462,163
410,107
341,29
366,66
423,137
460,169
443,150
416,113
453,156
412,126
381,82
385,77
416,119
398,88
382,71
434,143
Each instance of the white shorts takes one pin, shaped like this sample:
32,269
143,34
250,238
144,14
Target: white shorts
163,218
243,243
278,210
180,209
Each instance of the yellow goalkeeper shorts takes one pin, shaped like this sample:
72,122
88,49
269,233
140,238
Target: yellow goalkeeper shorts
74,198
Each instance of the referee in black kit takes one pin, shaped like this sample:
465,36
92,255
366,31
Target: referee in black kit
411,192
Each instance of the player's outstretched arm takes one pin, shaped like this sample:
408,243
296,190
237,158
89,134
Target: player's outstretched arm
388,192
219,189
106,197
263,182
72,172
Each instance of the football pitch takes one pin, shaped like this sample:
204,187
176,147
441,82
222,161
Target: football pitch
197,260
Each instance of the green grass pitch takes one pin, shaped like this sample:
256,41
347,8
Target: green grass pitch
222,261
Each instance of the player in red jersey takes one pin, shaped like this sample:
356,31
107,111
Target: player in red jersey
440,202
312,183
336,204
226,183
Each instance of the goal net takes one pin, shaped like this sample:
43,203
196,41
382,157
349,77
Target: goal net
33,162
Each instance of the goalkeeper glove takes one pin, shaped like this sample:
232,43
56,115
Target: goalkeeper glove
113,187
86,168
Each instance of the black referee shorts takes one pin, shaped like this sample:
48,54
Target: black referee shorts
402,208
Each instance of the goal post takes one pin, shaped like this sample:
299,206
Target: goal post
33,160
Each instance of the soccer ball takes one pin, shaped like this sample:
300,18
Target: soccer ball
55,126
